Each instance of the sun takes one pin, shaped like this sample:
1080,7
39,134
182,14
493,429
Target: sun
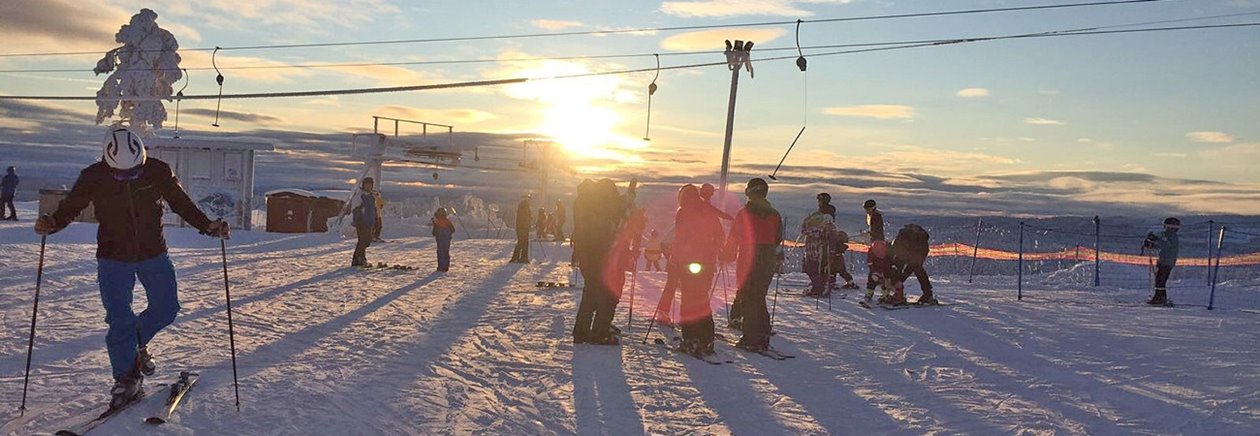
579,114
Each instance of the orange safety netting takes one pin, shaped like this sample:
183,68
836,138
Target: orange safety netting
1081,254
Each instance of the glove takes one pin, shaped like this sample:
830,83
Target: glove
45,225
219,229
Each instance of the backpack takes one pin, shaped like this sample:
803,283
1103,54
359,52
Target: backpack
911,245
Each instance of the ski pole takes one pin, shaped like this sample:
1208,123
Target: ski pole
775,305
227,291
30,344
725,298
634,274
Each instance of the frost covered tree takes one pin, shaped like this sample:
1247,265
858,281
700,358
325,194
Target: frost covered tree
147,65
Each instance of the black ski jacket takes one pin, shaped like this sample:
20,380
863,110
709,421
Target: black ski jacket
129,212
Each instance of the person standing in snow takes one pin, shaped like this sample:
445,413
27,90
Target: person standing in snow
839,243
1168,246
128,191
8,189
907,254
380,216
753,244
597,214
652,252
876,255
698,237
520,253
558,217
364,216
443,231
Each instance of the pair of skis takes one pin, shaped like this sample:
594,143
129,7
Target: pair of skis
175,396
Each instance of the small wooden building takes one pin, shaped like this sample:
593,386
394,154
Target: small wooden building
298,211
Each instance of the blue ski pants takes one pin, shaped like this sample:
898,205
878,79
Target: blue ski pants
128,331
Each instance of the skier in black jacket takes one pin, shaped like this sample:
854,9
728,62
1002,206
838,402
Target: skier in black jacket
128,191
520,254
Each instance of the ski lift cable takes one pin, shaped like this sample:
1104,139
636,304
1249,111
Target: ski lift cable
450,85
797,48
605,32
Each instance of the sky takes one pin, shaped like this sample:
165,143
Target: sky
1159,120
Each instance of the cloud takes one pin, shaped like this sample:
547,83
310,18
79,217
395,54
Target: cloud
1171,155
713,39
555,24
248,117
1049,92
1210,137
62,25
1043,122
735,8
440,116
973,92
318,17
880,111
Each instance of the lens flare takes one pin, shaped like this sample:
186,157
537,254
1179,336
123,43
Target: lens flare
694,268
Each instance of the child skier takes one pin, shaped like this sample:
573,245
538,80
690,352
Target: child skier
876,262
652,252
1168,246
443,231
128,191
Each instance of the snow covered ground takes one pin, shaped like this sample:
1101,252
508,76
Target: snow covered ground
325,349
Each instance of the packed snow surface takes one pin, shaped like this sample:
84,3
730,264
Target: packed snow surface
326,349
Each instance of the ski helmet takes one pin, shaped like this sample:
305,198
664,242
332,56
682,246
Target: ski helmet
868,204
1172,223
757,187
123,150
706,191
824,197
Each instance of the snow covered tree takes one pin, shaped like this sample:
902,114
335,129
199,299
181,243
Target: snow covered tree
147,65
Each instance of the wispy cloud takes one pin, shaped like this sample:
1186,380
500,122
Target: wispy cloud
735,8
256,118
1210,137
973,92
1043,122
880,111
713,38
446,116
546,24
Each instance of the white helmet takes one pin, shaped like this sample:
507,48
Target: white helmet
123,149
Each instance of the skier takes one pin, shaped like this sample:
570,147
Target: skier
821,244
1168,246
706,193
876,256
753,244
520,253
839,241
8,188
443,231
596,217
558,218
543,223
128,191
365,219
697,243
907,254
632,236
652,252
380,216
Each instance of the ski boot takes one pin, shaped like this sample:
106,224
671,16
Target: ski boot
870,293
893,300
145,361
607,340
849,285
927,299
1160,298
126,390
755,348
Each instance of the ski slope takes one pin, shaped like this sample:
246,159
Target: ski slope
326,349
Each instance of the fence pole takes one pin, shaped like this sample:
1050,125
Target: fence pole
1097,249
1220,243
1207,269
975,250
1020,279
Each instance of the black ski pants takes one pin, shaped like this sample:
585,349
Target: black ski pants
7,202
521,252
753,291
360,249
1161,276
696,315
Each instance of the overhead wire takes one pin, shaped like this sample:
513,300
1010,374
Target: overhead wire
797,48
378,90
617,31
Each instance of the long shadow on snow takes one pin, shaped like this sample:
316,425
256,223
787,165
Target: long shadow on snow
65,350
601,396
942,411
1026,359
